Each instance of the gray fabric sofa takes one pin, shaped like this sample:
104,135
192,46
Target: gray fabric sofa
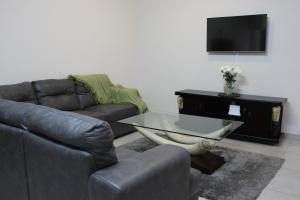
66,95
48,154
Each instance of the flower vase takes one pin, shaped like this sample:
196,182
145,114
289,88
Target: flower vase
228,88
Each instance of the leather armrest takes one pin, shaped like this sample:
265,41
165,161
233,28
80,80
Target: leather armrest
161,173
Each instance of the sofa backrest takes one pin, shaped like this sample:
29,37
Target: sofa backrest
13,180
78,131
50,154
74,130
86,99
22,92
56,171
62,94
57,93
12,113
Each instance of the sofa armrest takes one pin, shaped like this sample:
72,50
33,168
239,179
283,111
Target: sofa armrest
161,173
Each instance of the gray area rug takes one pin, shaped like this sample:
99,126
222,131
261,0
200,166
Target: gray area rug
242,177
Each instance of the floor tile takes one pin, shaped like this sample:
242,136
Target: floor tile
292,160
294,146
229,143
292,137
286,181
294,149
275,195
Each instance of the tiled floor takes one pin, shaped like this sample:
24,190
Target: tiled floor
286,184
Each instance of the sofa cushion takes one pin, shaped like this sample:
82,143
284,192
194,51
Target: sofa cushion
120,129
11,112
57,93
62,102
72,129
86,99
22,92
115,112
123,153
79,131
53,87
98,115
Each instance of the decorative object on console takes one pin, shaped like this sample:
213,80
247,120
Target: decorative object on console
230,74
180,102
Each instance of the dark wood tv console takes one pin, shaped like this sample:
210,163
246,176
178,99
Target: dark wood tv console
262,116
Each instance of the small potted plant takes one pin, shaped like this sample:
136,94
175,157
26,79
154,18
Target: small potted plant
230,75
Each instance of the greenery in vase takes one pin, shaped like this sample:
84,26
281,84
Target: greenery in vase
230,73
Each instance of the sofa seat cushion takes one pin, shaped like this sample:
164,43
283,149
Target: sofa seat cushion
121,129
115,112
57,93
22,92
98,115
123,153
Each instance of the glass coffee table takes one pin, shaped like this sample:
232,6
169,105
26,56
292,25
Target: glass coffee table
196,134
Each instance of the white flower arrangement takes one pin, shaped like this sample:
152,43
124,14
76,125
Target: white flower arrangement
230,73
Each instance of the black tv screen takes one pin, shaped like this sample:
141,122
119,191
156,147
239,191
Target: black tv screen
239,33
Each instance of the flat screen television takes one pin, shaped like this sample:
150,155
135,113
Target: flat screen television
237,34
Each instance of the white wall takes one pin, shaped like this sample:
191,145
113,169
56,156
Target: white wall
158,46
54,38
171,52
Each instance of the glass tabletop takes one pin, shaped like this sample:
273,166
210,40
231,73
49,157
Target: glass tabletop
204,127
